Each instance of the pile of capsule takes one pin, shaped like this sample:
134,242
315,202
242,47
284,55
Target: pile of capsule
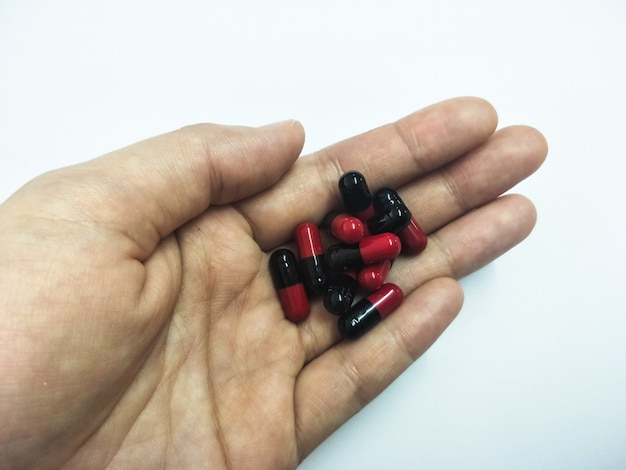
371,233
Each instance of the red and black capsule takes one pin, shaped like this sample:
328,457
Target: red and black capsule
369,250
340,292
356,195
346,228
311,251
288,283
372,277
392,215
368,312
414,239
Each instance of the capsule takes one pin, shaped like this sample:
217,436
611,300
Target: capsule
392,215
372,277
390,219
288,283
356,195
414,239
340,292
311,251
344,227
368,312
369,250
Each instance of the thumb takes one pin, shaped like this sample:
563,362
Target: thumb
149,189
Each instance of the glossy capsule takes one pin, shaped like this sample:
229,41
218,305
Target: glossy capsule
390,219
311,251
414,239
340,292
344,227
369,250
288,283
392,215
356,195
372,277
368,312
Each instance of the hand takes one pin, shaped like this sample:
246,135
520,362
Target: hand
139,326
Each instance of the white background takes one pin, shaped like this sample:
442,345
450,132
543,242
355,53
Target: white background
533,372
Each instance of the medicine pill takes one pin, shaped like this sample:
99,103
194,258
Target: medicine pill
340,292
344,227
391,219
392,215
288,283
414,239
311,251
372,277
356,195
368,312
372,231
369,250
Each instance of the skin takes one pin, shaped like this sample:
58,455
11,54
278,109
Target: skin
138,322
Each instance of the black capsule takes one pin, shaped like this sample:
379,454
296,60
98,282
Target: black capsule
368,312
386,197
340,293
356,195
288,283
392,219
391,214
369,250
311,250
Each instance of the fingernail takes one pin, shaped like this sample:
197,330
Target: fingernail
273,125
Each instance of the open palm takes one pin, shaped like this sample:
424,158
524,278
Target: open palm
138,322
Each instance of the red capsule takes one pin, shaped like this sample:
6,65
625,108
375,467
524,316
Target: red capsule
380,247
392,215
372,277
414,239
369,250
311,252
368,312
287,281
344,227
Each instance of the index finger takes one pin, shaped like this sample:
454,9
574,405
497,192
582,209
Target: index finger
390,155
